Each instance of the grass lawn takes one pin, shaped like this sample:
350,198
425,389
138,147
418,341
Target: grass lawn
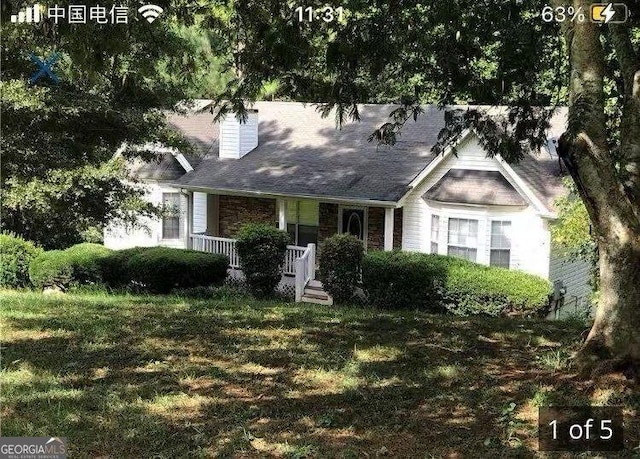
147,376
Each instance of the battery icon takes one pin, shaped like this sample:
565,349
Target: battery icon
609,13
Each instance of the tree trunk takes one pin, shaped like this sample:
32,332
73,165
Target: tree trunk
615,334
614,340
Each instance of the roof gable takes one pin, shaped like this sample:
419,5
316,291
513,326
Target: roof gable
468,186
167,165
300,153
537,178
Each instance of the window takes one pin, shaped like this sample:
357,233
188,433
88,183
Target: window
171,215
463,238
435,233
302,222
500,254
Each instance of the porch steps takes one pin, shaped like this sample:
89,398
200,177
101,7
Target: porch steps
313,293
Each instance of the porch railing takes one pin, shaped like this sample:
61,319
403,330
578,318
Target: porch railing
305,270
227,247
221,245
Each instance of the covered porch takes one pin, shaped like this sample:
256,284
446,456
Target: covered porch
308,221
213,220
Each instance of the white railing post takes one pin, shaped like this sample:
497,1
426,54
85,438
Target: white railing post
312,261
299,279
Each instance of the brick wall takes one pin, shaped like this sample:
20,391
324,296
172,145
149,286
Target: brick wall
375,229
328,224
375,238
397,229
235,211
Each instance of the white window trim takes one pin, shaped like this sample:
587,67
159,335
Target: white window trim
439,230
489,230
477,247
484,216
341,208
180,216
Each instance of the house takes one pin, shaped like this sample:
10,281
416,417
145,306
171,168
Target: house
290,167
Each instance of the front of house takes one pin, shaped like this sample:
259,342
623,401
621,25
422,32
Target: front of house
290,167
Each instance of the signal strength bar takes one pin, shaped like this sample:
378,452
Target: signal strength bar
31,14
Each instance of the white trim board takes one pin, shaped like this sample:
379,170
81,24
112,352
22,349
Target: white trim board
275,195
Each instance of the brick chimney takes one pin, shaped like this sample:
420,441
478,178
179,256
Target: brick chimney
238,138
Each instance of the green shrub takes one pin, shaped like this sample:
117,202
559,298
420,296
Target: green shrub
394,280
437,283
15,256
115,267
162,269
51,269
86,260
80,264
340,260
261,249
478,289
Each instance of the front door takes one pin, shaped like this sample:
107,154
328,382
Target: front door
353,222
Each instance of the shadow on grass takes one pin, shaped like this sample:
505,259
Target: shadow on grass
140,376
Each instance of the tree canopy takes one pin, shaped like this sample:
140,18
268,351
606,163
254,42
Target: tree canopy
497,52
116,81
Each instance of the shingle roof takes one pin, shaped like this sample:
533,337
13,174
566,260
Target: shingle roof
164,167
544,175
475,187
301,153
198,128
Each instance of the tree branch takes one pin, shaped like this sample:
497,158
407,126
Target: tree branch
626,55
629,62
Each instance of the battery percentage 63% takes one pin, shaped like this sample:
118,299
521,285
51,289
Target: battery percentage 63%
563,13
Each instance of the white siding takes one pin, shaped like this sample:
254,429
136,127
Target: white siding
148,232
199,212
574,276
229,139
416,216
530,245
236,138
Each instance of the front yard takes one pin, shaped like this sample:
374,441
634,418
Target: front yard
152,376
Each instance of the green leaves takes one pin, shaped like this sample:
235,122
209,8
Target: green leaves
571,232
261,248
116,83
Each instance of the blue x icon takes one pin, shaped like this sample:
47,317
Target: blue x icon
44,68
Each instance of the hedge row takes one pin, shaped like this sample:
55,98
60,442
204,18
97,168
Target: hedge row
438,283
395,280
162,269
152,269
77,265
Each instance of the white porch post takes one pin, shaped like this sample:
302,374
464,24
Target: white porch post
388,228
282,214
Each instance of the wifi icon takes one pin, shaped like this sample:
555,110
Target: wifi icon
150,12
